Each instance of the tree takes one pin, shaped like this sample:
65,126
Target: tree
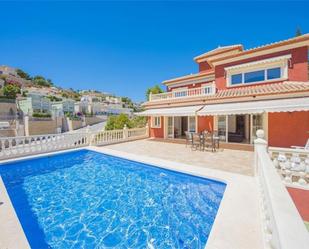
154,90
41,81
127,102
118,122
10,91
298,32
49,81
138,122
23,74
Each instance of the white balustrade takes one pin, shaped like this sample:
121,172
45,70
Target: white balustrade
13,147
116,136
292,165
206,90
283,226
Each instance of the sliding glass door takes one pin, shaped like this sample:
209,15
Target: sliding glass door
191,124
257,123
170,127
222,128
177,126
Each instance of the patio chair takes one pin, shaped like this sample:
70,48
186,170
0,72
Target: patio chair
306,147
196,141
216,139
208,141
188,138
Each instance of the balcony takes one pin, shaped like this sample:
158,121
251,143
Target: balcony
206,90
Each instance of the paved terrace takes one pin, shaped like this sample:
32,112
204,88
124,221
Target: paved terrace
234,161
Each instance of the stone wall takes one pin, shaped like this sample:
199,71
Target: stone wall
44,126
8,108
8,133
77,124
93,120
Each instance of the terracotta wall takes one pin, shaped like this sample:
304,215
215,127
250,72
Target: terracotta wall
204,67
205,123
288,128
298,70
156,132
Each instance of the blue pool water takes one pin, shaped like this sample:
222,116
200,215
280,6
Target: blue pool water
85,199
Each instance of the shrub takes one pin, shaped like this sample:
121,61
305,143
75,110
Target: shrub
41,115
10,91
118,122
139,122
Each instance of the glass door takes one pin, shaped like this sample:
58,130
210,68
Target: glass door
170,127
191,124
257,123
222,128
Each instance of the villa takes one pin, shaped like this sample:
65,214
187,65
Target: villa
236,92
130,188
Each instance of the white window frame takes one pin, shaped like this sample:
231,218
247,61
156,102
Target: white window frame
189,119
155,122
281,62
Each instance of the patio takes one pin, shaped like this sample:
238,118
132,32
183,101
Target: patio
234,161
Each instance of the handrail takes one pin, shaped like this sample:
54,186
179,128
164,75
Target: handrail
283,226
206,90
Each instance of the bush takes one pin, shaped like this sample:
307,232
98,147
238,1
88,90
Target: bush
139,122
23,74
72,116
118,122
153,90
10,91
41,115
54,98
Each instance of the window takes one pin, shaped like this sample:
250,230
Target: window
274,73
156,122
254,76
191,125
236,79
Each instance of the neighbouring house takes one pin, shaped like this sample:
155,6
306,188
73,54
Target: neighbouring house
68,105
40,103
36,102
236,92
25,105
107,105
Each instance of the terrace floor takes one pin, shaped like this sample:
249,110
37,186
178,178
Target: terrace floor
234,161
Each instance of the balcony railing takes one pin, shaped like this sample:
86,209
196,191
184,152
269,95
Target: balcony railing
206,90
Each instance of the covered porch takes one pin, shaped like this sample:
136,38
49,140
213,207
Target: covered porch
235,123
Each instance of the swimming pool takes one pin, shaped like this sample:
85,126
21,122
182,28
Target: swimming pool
86,199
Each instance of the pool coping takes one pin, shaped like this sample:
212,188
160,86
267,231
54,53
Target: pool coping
12,234
239,206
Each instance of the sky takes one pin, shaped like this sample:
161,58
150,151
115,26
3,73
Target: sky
125,47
